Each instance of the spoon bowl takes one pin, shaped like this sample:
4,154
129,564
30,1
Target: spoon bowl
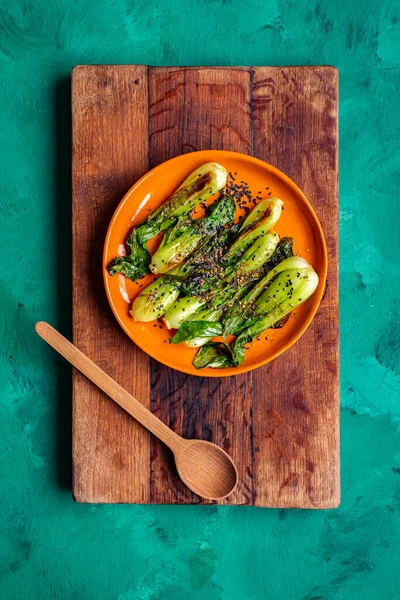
206,469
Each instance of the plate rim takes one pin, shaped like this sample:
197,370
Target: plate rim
209,372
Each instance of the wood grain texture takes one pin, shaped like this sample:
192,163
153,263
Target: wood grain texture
110,451
279,423
296,423
194,109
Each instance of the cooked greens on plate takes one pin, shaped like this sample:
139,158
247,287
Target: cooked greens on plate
218,277
204,182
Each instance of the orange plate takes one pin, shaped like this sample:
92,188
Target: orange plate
298,220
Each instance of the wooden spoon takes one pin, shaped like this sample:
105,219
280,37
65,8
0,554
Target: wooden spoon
205,468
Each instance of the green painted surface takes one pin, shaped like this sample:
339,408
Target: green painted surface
53,548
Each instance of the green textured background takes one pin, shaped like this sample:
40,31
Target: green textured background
53,548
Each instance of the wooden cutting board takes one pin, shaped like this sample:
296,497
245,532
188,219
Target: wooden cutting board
280,423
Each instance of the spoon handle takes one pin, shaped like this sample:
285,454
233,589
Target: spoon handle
135,408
